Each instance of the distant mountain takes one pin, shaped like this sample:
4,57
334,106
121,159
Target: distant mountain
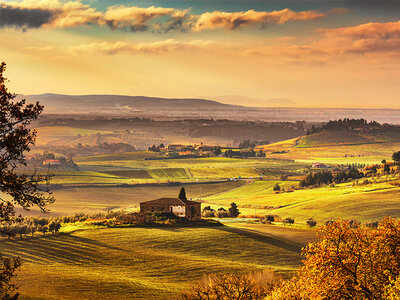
175,108
57,102
260,102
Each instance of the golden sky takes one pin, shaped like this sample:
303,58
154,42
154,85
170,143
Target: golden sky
315,53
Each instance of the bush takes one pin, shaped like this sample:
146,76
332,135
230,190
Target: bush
288,220
311,222
222,214
270,218
276,188
208,213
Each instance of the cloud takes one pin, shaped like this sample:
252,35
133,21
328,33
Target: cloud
366,31
138,18
378,39
231,21
22,18
48,13
120,47
57,14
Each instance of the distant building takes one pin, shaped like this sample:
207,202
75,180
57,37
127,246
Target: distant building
51,162
181,208
319,165
175,147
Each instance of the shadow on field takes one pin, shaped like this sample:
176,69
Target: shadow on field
263,238
59,248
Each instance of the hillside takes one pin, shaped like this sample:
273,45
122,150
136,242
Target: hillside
144,263
339,146
82,103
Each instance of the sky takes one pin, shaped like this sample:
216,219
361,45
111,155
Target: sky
306,53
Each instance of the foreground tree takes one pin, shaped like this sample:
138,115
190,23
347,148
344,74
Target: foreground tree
350,262
17,189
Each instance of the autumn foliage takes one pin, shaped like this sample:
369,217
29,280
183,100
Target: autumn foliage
349,262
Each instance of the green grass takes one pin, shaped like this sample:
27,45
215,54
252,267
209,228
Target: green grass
364,203
334,138
141,263
328,147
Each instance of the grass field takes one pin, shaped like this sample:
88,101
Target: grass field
134,166
145,263
327,147
365,203
103,198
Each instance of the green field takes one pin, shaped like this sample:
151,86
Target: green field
346,201
146,263
335,147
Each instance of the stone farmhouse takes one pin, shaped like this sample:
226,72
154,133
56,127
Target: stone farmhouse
181,208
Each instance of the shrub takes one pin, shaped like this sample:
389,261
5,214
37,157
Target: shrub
311,222
276,188
222,214
208,213
270,218
288,220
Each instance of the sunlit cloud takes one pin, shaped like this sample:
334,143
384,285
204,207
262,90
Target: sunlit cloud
364,39
120,47
54,13
231,21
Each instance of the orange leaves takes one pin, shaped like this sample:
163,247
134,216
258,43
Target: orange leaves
349,262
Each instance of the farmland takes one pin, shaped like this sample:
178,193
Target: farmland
85,261
365,202
114,263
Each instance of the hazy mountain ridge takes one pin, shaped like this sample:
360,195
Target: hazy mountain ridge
191,108
116,101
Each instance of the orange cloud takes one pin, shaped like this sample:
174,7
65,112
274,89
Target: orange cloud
231,21
371,38
138,18
58,14
120,47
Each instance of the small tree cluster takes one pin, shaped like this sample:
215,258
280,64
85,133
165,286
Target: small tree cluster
255,286
288,220
30,226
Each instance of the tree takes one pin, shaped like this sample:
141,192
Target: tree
54,226
349,262
276,187
233,286
182,194
233,210
311,222
24,190
396,156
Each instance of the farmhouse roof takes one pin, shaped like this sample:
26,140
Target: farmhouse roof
170,201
